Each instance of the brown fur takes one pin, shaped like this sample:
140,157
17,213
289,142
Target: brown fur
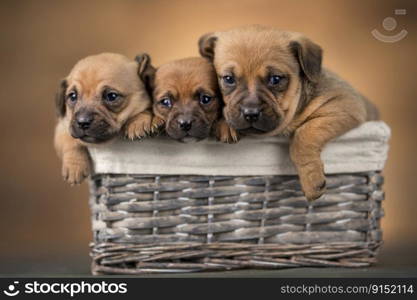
310,104
91,78
183,82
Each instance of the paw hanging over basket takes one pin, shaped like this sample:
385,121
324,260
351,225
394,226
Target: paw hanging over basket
162,206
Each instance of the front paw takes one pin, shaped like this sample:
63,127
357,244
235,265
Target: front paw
226,134
313,180
139,127
74,172
157,125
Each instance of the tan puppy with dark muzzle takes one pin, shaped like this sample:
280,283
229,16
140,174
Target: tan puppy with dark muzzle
187,100
272,82
102,96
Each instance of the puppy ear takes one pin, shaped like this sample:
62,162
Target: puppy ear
146,71
206,45
60,99
309,56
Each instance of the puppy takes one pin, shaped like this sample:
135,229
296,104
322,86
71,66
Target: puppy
102,96
273,82
187,100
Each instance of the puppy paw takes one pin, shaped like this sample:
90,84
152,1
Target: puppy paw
226,134
74,172
313,181
156,125
139,127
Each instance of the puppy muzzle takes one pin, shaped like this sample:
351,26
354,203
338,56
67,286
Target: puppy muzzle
259,118
91,127
187,128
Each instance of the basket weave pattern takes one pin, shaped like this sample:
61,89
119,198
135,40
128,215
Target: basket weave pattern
145,223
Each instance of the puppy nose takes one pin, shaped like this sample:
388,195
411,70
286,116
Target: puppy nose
185,124
251,114
84,120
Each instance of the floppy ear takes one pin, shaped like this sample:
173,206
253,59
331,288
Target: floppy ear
146,71
206,45
60,99
309,56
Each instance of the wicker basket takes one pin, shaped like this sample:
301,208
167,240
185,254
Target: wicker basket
186,223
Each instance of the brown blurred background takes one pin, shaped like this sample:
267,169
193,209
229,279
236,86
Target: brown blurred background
44,223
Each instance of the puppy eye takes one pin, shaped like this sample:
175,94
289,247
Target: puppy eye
72,96
230,80
166,102
274,79
205,99
110,96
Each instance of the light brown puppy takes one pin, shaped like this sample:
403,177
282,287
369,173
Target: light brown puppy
103,95
273,82
188,101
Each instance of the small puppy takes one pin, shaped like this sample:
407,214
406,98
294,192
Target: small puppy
272,82
187,100
103,95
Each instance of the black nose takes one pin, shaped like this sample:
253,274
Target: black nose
251,114
185,124
84,120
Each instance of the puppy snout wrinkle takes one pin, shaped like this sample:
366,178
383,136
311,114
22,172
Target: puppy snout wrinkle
185,124
251,114
84,120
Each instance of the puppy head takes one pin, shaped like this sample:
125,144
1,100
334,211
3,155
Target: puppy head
186,96
101,93
263,74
